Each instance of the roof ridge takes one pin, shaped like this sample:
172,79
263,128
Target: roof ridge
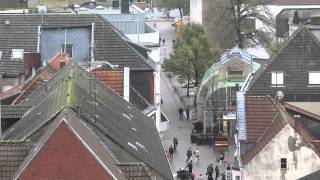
274,57
122,37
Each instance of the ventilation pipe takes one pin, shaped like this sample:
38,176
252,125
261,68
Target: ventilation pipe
126,83
39,35
92,43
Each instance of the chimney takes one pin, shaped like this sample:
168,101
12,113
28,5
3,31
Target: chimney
32,61
315,20
124,6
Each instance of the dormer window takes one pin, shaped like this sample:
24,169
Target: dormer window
277,78
235,73
314,78
17,54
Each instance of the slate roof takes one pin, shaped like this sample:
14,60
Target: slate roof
10,67
13,4
32,84
21,33
68,120
260,111
110,116
295,58
313,176
11,156
13,111
135,171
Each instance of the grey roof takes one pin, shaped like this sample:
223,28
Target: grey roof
13,4
10,67
110,116
313,176
13,111
11,156
21,33
295,58
67,117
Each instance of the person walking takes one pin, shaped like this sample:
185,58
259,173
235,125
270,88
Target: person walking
221,157
187,113
189,167
209,171
171,152
181,113
217,172
200,177
189,154
196,154
175,143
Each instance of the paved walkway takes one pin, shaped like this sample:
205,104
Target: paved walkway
178,128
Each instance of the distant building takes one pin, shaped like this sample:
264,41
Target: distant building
86,39
294,70
216,98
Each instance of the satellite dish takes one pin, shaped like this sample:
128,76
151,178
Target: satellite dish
280,95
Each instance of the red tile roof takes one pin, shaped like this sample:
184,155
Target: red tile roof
56,61
278,118
112,79
271,131
260,111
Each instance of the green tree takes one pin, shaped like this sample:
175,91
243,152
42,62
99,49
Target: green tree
182,5
192,55
232,22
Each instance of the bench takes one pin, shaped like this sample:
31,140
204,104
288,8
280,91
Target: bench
221,143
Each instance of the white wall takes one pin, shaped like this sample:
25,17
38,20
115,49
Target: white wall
147,39
266,165
196,11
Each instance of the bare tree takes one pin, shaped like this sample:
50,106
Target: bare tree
233,23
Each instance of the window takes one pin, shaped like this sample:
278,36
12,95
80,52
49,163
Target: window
68,51
277,78
314,77
235,73
17,54
0,54
283,163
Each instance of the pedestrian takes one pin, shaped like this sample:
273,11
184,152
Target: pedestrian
189,167
196,154
155,25
187,113
159,40
209,171
175,143
189,154
217,172
181,113
171,152
200,177
221,156
163,41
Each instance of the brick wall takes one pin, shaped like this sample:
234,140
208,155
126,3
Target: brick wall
64,157
112,79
